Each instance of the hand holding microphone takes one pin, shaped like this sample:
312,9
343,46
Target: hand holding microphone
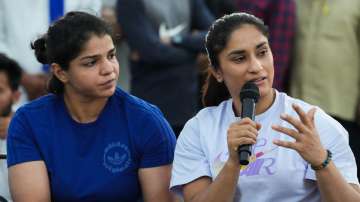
242,135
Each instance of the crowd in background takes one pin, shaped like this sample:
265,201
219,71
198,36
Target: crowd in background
160,49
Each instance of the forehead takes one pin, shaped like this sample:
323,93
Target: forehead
97,45
246,37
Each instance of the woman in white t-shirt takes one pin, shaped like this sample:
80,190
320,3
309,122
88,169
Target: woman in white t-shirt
299,153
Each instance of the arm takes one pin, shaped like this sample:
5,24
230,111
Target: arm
331,183
224,186
29,182
144,39
156,144
28,178
155,184
221,189
333,187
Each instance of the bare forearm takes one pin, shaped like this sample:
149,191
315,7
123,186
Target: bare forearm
333,187
223,187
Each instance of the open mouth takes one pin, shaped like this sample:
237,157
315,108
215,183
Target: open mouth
258,79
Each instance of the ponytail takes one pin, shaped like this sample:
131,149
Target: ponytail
213,92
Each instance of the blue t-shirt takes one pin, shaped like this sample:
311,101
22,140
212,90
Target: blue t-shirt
96,161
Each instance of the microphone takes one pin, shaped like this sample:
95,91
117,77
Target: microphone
249,95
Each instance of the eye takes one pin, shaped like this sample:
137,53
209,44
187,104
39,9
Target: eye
263,52
111,56
90,63
239,59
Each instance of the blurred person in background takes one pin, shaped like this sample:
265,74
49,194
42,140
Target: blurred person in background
165,39
20,23
280,16
327,61
221,7
10,75
87,140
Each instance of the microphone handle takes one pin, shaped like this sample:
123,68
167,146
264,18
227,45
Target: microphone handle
247,110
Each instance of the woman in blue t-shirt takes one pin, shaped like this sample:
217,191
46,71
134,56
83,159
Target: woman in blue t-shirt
87,140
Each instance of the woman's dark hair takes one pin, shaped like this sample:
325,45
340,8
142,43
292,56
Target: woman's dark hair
64,41
213,92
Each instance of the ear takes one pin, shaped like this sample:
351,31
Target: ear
59,73
217,73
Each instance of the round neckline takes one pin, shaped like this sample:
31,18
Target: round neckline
78,124
260,116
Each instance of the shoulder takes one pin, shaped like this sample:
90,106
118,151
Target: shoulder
135,105
34,114
139,112
39,106
214,112
207,120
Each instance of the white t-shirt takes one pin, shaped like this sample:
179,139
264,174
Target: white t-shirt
274,173
4,185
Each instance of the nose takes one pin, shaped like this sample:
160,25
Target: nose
255,65
107,67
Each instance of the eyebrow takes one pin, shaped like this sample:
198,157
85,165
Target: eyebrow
95,56
239,52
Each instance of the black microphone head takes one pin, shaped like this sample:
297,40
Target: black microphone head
250,90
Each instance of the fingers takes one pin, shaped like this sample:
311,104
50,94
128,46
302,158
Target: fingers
293,121
286,144
302,115
311,115
304,131
242,141
307,118
247,121
242,131
306,121
292,133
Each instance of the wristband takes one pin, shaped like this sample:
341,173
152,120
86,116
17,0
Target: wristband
324,163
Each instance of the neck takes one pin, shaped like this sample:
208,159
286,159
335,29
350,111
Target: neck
84,110
263,104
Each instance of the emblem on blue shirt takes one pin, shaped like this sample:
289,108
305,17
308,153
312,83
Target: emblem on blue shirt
116,157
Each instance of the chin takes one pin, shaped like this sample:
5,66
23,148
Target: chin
265,91
107,92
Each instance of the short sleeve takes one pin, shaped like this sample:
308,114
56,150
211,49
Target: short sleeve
21,145
336,139
190,160
157,142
